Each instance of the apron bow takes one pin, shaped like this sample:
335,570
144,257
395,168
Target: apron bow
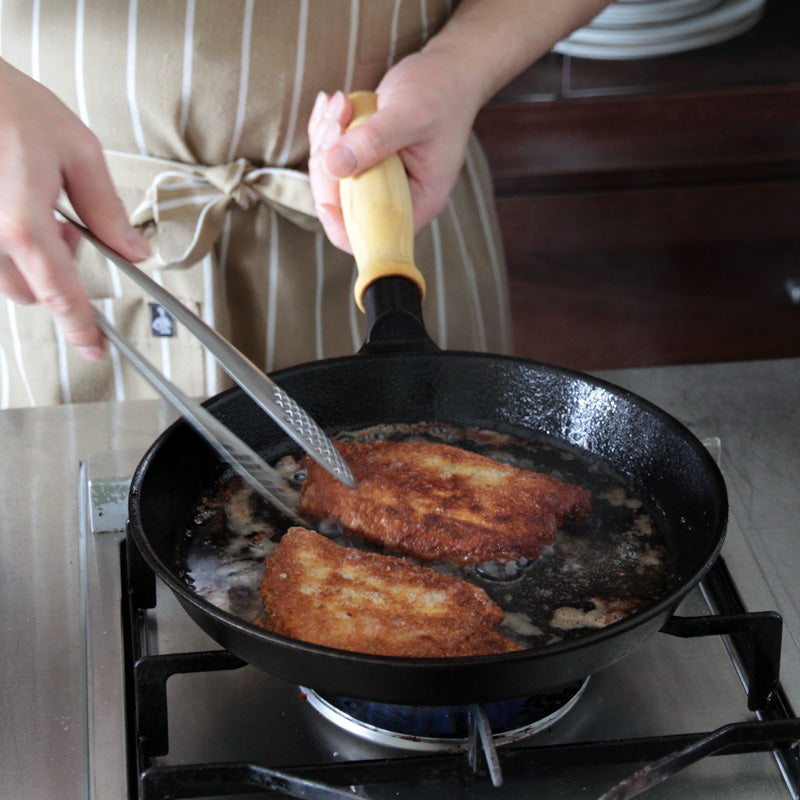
188,203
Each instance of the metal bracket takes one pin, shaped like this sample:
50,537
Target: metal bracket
763,632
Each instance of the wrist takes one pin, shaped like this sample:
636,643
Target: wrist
474,78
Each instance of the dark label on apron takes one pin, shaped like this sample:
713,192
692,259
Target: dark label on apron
162,323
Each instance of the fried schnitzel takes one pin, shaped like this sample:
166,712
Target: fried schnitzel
435,501
321,592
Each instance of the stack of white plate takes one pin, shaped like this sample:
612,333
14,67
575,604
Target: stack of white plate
645,28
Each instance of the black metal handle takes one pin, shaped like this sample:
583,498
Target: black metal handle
747,735
758,636
187,780
394,317
150,675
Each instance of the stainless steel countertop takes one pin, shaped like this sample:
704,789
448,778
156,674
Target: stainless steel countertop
752,407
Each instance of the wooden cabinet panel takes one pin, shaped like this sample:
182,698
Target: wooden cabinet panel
656,216
641,305
643,140
667,275
654,225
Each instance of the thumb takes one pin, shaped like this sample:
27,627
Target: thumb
363,147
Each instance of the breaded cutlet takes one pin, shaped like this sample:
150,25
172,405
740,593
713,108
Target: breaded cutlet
321,592
435,501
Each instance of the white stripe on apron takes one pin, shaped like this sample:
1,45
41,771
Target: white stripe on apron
300,60
319,252
209,317
274,266
136,118
11,310
36,70
188,54
393,46
116,362
63,371
223,248
80,86
114,275
244,77
441,287
355,312
347,83
5,380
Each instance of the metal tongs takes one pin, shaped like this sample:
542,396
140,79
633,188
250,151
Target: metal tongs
267,394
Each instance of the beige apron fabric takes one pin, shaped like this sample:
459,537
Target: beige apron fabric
202,108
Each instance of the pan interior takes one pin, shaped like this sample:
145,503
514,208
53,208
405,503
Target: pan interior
600,570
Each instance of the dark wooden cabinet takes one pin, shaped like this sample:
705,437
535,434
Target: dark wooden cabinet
651,209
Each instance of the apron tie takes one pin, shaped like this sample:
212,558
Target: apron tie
187,203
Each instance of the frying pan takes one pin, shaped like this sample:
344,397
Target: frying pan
400,376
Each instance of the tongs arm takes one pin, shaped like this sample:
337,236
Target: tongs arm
262,477
265,392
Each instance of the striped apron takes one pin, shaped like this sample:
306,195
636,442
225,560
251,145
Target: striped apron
202,110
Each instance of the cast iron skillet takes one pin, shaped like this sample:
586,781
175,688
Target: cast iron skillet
400,376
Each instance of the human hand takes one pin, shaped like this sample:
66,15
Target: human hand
44,149
423,114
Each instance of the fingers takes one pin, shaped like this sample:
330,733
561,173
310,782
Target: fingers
92,194
332,220
45,149
12,284
88,184
50,278
365,146
326,126
71,236
337,153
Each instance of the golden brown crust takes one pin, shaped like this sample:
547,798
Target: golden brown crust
318,591
434,501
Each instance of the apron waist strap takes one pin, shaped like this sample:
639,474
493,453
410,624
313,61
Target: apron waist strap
187,203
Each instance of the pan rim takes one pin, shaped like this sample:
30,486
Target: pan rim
664,605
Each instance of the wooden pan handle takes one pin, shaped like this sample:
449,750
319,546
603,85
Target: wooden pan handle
376,206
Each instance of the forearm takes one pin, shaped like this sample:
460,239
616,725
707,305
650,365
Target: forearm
428,101
491,41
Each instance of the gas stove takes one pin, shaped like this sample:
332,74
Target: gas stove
220,723
197,718
155,709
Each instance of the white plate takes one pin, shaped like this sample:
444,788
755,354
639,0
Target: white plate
727,13
634,14
635,50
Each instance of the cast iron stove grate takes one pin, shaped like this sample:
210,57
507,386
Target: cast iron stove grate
755,642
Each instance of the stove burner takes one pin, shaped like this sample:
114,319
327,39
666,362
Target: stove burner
445,728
